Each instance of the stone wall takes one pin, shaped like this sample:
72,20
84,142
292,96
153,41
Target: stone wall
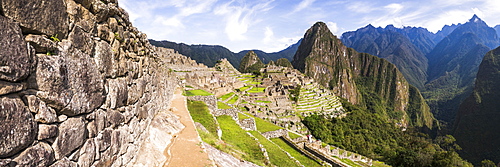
276,133
80,86
248,124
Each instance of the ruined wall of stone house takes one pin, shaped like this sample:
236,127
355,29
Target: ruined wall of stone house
80,86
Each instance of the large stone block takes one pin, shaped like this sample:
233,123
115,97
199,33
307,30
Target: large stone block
46,131
17,129
118,93
40,155
81,40
103,57
9,87
69,82
65,162
16,63
80,15
72,134
48,17
41,43
87,154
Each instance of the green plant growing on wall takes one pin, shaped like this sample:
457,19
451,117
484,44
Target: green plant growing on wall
54,38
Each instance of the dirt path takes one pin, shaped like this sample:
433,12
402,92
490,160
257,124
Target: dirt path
186,148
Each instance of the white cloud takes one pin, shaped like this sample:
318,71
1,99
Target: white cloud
239,18
394,8
333,27
302,5
360,7
268,35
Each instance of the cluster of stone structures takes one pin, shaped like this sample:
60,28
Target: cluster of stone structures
80,86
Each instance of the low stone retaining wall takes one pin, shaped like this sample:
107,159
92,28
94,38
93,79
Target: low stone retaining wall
276,133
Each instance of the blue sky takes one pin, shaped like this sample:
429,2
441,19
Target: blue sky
272,25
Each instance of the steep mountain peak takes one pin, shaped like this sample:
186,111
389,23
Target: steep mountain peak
250,63
475,19
360,77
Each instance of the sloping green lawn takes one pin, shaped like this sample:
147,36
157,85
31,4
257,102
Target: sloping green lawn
200,113
226,96
256,90
238,140
304,160
277,156
264,126
197,92
222,105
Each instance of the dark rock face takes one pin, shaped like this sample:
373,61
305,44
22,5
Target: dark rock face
348,73
18,129
47,17
478,121
16,63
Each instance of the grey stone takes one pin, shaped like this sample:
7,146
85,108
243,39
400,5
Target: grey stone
114,119
104,57
15,61
46,131
64,162
48,17
81,40
39,155
87,154
115,142
72,133
18,130
118,93
44,114
104,139
100,120
80,15
5,162
9,87
103,32
92,129
100,10
69,82
41,43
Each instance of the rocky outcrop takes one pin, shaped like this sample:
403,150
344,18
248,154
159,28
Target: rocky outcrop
478,121
250,63
80,86
359,77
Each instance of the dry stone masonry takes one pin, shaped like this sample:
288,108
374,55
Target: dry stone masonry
80,86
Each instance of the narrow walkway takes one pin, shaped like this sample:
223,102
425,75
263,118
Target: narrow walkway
186,148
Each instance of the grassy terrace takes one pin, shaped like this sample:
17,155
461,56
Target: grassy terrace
277,156
244,88
242,116
293,135
221,105
262,101
226,96
233,100
239,142
256,90
197,92
304,160
200,113
264,126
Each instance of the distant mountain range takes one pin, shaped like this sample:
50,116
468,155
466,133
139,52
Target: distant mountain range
210,54
442,65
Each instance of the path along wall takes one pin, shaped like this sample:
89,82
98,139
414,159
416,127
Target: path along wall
79,85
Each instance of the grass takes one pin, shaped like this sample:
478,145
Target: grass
264,126
244,88
293,135
242,116
379,164
262,101
187,86
226,96
350,163
197,92
238,140
221,105
256,90
200,113
255,83
233,100
277,156
304,160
